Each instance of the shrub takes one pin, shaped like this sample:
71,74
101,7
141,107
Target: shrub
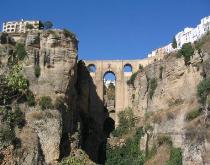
163,139
126,122
16,80
80,158
193,114
37,71
141,67
30,98
199,44
127,154
7,135
19,118
152,87
203,89
132,78
175,157
20,51
186,51
45,102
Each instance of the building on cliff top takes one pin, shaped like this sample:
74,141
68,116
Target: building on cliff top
185,36
21,26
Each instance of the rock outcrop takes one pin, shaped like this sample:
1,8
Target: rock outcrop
174,96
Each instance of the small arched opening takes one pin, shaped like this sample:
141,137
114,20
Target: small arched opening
127,68
109,92
91,68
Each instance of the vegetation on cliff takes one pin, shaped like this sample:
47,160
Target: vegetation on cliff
186,51
129,152
152,87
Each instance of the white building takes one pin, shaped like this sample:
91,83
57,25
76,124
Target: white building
107,82
20,26
193,34
185,36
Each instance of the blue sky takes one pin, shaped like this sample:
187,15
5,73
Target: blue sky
113,29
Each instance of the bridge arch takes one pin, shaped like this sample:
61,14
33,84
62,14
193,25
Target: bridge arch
127,67
121,88
92,68
109,92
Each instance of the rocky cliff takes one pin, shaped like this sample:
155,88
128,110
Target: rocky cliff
163,95
51,71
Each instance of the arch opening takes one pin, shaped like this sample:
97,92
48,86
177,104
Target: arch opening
91,68
127,68
109,82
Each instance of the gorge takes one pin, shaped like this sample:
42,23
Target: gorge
52,107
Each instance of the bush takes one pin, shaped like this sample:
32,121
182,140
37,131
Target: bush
152,87
127,154
175,157
203,89
46,103
20,51
7,135
163,139
199,44
132,78
126,122
187,52
16,80
19,118
30,98
80,158
141,67
193,114
37,71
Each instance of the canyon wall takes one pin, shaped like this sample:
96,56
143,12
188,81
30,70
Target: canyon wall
164,108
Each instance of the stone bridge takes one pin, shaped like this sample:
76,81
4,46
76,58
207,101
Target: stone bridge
117,68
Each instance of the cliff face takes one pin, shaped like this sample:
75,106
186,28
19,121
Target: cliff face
165,105
51,70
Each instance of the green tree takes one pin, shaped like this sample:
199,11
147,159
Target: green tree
37,71
174,43
203,89
152,87
16,80
18,55
20,51
48,25
187,52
